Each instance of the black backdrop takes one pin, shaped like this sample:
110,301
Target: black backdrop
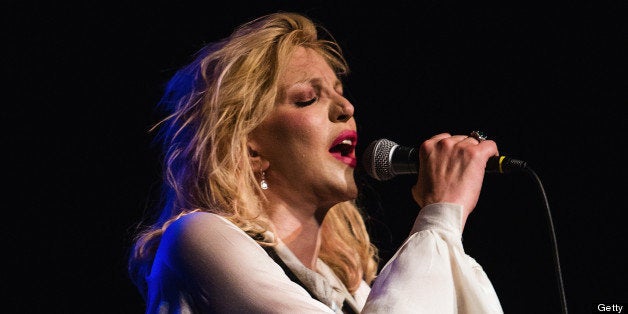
546,81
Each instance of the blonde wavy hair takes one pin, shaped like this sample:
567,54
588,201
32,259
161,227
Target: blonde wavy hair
212,106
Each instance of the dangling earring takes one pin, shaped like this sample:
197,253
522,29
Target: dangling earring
263,184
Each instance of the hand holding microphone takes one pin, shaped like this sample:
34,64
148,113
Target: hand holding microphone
385,159
450,168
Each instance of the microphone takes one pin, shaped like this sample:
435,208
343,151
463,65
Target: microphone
385,159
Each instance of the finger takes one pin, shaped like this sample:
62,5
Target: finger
440,136
473,140
459,138
455,139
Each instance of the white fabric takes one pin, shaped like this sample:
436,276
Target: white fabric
431,273
323,282
207,264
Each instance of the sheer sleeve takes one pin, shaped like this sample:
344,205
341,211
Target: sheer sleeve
431,273
207,264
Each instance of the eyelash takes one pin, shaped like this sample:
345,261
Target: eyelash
306,103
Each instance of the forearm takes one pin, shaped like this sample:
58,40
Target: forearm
431,273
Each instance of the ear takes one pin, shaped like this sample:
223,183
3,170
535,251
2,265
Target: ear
256,160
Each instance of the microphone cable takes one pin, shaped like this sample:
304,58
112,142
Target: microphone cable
505,164
550,223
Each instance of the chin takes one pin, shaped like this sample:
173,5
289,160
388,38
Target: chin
347,193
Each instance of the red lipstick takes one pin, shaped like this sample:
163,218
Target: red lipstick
343,147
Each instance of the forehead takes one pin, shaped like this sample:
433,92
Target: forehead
305,64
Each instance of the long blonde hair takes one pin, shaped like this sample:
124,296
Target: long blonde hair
212,106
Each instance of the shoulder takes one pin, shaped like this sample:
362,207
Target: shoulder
205,234
204,225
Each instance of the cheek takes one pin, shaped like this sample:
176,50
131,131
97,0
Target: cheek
295,126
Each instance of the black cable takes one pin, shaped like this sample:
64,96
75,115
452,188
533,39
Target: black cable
559,274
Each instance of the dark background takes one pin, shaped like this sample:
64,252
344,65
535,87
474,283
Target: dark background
547,81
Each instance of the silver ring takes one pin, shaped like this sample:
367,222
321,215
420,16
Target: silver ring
478,135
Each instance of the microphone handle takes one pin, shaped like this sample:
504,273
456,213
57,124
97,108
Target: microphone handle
404,160
504,164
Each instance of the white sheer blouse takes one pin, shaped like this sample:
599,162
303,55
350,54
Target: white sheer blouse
206,264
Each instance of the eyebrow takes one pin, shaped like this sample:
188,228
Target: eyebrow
317,81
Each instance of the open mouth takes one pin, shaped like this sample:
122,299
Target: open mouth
343,148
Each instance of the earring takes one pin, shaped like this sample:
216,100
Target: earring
263,184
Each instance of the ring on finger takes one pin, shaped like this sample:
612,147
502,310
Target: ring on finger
478,135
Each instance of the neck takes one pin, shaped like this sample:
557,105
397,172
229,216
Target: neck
301,234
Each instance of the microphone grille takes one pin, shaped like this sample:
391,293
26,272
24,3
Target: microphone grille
376,159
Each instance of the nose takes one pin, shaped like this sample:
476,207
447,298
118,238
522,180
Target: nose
342,110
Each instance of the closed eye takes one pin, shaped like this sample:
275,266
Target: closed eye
306,103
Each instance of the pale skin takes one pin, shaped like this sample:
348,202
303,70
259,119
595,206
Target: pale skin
451,170
305,180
